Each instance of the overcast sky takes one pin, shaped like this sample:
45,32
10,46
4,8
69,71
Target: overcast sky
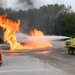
36,3
65,2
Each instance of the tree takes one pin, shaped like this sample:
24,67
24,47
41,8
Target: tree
69,24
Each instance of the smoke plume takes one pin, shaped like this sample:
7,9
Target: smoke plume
26,4
29,2
18,4
3,3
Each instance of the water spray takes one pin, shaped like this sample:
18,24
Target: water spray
22,38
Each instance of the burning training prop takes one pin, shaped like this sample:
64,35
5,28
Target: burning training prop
11,28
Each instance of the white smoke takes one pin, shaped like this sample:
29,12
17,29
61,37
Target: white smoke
18,4
21,38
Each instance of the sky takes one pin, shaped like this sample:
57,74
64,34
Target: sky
65,2
26,4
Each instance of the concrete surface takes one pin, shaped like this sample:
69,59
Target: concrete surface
56,62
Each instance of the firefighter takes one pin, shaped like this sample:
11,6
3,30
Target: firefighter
0,58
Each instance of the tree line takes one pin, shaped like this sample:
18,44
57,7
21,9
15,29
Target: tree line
51,19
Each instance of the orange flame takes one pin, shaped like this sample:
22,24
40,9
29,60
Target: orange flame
11,28
37,33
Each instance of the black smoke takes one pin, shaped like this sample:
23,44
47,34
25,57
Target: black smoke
29,2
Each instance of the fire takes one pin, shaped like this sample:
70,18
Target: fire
37,33
11,28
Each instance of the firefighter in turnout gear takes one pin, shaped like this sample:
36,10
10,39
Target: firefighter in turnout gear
0,58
